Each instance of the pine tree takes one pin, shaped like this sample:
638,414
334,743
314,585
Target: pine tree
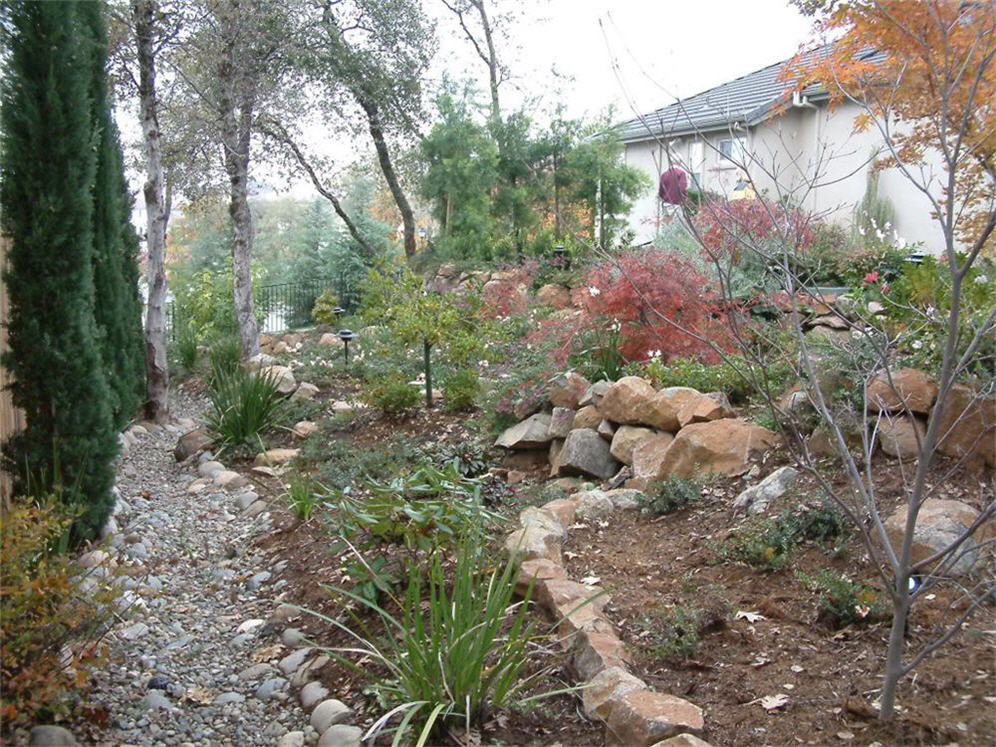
118,307
48,164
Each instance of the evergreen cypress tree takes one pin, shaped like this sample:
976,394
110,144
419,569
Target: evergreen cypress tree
48,163
118,307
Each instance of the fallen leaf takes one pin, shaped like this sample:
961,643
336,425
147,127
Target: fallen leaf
773,702
751,617
590,580
760,661
199,695
845,735
267,653
796,668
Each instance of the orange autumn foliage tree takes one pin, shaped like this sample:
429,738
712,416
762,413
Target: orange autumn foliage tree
932,87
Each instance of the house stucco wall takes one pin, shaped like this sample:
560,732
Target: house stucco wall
809,156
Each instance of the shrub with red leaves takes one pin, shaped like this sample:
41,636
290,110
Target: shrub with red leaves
727,225
650,291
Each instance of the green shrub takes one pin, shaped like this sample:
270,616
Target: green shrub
344,464
457,651
423,510
302,495
461,388
843,602
392,394
184,348
682,634
727,376
324,309
670,495
468,457
243,405
598,354
825,524
226,356
764,543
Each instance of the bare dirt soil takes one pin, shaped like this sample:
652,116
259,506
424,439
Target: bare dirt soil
830,678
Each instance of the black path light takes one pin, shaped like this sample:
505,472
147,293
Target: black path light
560,252
346,335
339,311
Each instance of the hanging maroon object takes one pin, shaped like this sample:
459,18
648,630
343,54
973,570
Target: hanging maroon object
674,187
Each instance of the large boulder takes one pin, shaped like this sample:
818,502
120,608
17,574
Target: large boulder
305,390
627,401
553,295
561,422
939,523
275,456
756,498
721,447
587,417
192,442
968,426
648,455
586,453
909,385
595,393
899,436
667,404
567,389
531,433
625,440
286,383
707,407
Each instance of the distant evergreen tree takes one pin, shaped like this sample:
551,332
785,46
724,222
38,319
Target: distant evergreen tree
118,307
48,164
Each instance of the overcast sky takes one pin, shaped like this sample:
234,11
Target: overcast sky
635,54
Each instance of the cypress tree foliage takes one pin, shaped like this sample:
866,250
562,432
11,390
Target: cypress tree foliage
48,164
118,308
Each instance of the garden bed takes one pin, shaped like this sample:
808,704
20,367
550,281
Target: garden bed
830,678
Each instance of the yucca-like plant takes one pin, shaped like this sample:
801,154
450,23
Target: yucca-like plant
456,651
243,405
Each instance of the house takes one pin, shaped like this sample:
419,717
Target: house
793,145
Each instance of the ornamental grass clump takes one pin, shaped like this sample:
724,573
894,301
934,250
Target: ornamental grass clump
243,405
454,652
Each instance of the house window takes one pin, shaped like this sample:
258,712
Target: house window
696,163
733,149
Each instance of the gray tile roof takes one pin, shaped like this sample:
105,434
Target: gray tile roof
746,101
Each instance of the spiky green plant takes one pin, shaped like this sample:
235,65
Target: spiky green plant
243,405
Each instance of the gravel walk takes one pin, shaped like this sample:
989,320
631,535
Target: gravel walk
197,659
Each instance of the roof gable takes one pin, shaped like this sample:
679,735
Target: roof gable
745,101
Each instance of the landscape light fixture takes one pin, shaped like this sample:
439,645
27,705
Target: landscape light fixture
346,335
560,252
339,311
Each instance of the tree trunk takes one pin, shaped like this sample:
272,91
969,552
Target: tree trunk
156,368
427,368
492,62
236,136
387,167
894,654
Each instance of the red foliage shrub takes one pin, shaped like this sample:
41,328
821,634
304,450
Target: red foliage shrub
504,297
651,293
725,225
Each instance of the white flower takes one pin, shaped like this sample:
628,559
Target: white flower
483,364
879,234
917,344
593,290
861,230
982,279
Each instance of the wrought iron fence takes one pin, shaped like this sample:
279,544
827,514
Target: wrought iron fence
285,306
